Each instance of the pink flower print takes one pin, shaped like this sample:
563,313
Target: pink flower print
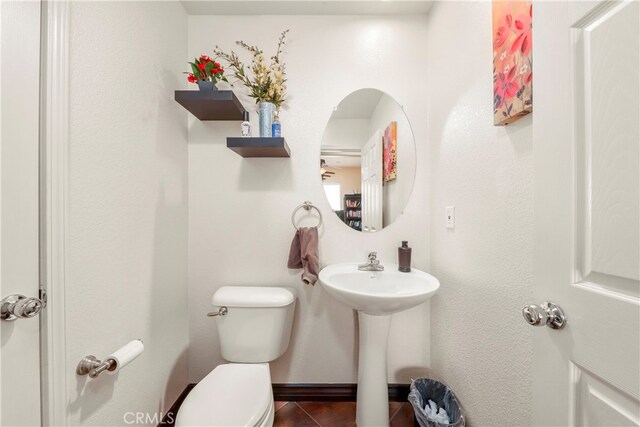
505,88
523,26
503,31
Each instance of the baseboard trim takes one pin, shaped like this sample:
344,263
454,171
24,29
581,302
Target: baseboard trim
300,392
331,392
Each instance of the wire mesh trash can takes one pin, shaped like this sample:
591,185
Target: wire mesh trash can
424,389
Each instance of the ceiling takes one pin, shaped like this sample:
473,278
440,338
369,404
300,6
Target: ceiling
361,106
307,7
341,157
342,162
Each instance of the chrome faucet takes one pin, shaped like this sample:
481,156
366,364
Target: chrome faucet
373,264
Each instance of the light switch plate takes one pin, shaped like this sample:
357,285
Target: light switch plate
451,217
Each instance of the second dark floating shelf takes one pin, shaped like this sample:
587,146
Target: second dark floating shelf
259,147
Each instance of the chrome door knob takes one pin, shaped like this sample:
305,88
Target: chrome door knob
545,314
19,307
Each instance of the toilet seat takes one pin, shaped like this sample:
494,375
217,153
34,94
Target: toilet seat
232,394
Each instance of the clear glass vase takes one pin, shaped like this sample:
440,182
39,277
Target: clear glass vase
266,111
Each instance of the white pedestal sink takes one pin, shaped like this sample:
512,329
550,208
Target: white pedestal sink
376,295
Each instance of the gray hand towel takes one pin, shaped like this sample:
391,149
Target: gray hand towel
304,254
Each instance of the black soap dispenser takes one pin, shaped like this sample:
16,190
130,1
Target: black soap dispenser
404,257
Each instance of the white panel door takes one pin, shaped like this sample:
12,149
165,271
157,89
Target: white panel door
371,172
587,203
19,248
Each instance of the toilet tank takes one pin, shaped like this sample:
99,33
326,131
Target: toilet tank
257,326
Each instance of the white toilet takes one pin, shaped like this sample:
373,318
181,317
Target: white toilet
255,331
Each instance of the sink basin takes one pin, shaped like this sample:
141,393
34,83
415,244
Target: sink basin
378,292
376,295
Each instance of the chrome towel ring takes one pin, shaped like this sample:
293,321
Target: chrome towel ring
307,206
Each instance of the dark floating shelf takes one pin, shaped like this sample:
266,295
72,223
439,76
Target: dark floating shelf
213,105
259,147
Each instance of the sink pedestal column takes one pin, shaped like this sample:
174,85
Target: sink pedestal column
373,392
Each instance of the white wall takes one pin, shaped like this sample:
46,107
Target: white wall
346,133
127,216
240,209
480,345
395,192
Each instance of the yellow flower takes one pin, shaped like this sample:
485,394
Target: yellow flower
265,80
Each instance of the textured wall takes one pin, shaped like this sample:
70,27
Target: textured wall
480,345
127,242
240,209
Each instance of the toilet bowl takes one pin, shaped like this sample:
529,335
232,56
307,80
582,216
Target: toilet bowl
230,395
255,331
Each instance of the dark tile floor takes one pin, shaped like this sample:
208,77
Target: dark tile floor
334,414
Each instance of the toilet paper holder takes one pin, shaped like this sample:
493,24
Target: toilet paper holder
92,366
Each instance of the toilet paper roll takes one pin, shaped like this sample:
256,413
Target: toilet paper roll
125,355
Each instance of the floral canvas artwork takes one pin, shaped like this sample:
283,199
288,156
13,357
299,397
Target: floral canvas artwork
389,154
512,60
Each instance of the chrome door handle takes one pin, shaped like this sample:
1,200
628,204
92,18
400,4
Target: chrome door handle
18,306
545,314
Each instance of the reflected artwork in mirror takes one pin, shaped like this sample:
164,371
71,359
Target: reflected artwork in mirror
367,160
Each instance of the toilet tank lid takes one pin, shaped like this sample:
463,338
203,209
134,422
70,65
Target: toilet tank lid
253,296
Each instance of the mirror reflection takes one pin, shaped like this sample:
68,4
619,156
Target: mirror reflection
367,160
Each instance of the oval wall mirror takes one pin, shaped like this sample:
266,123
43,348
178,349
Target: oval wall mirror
367,160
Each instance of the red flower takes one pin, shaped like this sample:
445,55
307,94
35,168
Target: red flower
201,66
524,26
217,65
217,70
505,88
205,58
192,79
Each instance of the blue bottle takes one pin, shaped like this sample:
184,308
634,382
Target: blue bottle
276,129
